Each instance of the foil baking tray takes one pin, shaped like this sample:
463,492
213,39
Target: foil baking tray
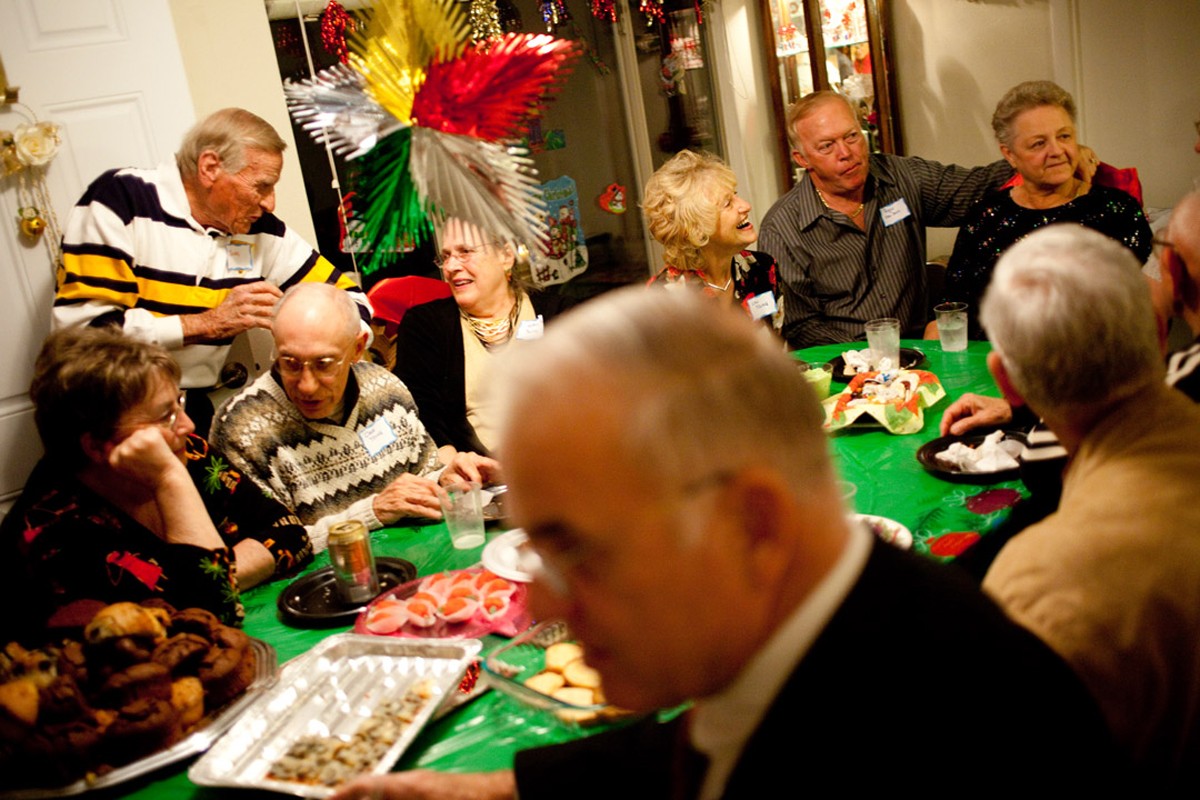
329,694
207,732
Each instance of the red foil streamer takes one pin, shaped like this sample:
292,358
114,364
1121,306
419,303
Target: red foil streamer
490,91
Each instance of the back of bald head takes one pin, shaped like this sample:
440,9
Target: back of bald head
697,388
319,301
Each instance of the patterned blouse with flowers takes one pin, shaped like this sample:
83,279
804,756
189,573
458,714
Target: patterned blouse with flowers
68,543
754,275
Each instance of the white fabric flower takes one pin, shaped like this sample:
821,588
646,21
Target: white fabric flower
36,144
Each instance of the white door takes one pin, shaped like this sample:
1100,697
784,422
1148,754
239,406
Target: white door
109,72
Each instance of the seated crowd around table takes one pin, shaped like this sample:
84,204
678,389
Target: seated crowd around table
665,457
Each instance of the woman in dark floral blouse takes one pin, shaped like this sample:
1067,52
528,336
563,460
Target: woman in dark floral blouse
127,503
693,209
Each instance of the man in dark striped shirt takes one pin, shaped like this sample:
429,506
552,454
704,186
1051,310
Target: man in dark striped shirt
850,237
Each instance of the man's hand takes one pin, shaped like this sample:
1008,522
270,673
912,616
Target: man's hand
464,467
1089,162
429,785
145,457
245,307
407,496
975,411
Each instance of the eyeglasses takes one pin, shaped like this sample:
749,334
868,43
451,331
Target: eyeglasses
324,368
460,253
167,420
1158,241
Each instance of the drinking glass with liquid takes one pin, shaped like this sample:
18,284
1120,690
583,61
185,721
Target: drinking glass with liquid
952,326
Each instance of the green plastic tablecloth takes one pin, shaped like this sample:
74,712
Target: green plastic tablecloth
943,517
485,734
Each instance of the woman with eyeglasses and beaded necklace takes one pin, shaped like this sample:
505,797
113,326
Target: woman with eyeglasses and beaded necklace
127,503
443,347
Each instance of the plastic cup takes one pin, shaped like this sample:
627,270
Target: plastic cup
818,377
462,509
952,326
883,335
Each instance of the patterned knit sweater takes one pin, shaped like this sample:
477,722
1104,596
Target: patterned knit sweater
323,471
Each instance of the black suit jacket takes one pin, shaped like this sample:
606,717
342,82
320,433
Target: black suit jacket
430,361
918,681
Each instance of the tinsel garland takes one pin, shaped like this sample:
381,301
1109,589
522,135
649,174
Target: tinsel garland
485,20
335,22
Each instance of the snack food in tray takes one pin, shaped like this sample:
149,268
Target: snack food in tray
351,705
544,669
137,682
896,400
460,604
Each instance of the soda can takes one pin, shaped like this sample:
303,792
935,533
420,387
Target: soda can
353,562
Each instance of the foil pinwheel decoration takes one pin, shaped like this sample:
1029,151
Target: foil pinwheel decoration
431,122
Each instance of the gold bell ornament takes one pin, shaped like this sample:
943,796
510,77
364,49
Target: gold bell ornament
32,223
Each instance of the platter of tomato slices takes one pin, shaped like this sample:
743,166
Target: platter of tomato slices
462,604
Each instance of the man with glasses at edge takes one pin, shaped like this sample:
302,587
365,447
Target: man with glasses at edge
189,254
330,436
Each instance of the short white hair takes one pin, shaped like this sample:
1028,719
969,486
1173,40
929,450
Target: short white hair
337,301
1070,315
704,391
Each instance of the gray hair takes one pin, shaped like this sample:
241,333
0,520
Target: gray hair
705,391
228,133
338,301
1069,314
1024,96
805,106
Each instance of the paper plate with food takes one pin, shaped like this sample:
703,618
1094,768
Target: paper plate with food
463,604
974,458
852,362
896,400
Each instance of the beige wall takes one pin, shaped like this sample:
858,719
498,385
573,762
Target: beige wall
229,58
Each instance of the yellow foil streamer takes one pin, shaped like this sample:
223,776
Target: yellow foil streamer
401,39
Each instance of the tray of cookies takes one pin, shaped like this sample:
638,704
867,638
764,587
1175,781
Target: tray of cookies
143,687
351,705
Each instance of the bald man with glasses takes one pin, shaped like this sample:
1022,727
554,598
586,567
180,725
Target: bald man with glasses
331,436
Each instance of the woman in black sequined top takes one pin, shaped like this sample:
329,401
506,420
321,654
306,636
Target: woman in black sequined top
1035,126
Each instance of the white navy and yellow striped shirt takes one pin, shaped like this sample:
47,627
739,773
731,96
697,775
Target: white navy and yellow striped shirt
134,255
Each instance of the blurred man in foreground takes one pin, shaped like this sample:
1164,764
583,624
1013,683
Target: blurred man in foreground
668,463
1112,579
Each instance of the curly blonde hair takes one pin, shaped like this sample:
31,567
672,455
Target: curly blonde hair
681,205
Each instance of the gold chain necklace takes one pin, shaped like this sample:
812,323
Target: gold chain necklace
825,203
497,331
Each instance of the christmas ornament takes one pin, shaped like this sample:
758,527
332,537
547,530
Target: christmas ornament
427,118
25,154
604,9
653,9
554,13
31,222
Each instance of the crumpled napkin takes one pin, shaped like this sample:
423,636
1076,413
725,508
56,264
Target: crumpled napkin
994,454
897,400
859,361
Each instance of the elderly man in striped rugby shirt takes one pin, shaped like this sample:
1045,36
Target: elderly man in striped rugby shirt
189,255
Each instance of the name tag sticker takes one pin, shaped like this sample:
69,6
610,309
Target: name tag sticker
761,305
239,257
894,212
531,329
376,436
